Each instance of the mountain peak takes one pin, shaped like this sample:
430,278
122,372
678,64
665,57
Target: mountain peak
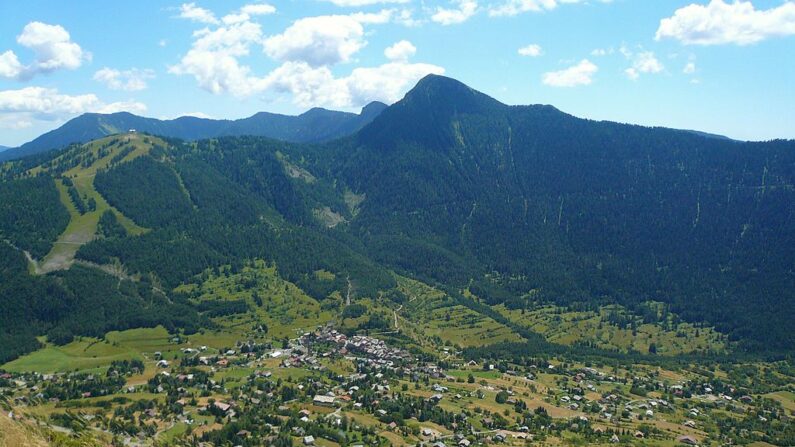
427,112
373,109
434,90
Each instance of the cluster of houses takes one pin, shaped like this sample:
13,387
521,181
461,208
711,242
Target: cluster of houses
373,351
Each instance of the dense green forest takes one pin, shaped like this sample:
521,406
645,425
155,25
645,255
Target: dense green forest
31,214
79,301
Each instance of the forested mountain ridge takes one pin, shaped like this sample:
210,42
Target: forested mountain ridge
312,126
533,204
505,208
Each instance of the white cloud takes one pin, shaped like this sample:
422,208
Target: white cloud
130,80
647,62
213,60
245,13
10,66
532,50
190,11
690,68
258,9
355,3
580,74
727,23
306,49
46,104
461,13
53,48
642,62
515,7
400,51
317,86
322,40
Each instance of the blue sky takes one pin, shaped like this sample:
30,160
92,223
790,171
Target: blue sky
720,66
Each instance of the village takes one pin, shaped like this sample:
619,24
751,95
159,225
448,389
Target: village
328,388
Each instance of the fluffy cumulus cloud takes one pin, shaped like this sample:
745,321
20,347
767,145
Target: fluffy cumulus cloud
690,68
400,51
463,10
213,60
130,80
322,40
306,51
9,65
190,11
532,50
53,49
642,62
579,74
720,23
21,107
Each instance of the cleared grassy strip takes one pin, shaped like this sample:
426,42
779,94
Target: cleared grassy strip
82,228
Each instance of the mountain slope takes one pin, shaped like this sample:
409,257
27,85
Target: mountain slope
534,204
312,126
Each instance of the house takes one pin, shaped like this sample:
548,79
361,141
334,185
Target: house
464,442
687,439
614,439
323,401
222,406
690,424
427,432
162,363
639,434
309,440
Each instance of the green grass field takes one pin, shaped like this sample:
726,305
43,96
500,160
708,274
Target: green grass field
82,354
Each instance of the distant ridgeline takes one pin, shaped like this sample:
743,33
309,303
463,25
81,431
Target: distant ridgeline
505,207
313,126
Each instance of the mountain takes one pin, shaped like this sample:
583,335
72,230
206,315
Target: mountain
314,125
532,204
504,209
3,148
